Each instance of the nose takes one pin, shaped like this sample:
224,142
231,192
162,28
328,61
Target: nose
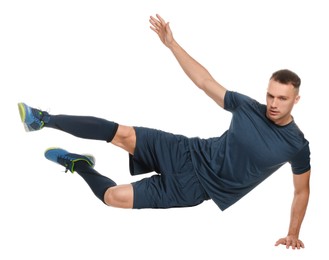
274,102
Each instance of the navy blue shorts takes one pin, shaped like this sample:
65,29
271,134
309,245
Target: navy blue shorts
176,183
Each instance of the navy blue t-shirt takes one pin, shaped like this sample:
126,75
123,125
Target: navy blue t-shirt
251,149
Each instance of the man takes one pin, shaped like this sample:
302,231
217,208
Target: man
260,139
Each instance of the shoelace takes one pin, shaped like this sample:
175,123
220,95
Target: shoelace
63,161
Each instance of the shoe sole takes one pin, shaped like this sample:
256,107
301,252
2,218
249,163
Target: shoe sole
22,111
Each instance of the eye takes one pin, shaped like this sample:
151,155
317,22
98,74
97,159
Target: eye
283,98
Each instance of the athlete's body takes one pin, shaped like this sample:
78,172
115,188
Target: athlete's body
205,175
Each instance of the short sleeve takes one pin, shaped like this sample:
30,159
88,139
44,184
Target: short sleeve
233,100
301,162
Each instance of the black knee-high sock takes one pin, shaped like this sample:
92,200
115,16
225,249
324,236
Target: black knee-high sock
97,182
83,126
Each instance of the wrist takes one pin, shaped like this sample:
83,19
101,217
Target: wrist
173,45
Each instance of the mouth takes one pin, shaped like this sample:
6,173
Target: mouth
273,112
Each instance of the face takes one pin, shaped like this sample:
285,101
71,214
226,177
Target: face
280,100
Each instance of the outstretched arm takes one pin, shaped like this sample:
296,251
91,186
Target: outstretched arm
194,70
298,210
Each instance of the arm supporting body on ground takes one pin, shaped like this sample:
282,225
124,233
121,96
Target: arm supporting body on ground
298,209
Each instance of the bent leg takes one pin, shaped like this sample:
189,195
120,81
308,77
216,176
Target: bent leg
95,128
88,127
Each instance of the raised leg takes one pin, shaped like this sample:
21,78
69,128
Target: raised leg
88,127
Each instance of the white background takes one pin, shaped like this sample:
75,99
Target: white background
100,58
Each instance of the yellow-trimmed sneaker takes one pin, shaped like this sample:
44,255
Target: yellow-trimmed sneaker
32,118
66,159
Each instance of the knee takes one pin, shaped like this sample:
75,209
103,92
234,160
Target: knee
125,138
110,196
119,196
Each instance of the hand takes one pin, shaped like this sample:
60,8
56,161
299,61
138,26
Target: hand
290,241
162,29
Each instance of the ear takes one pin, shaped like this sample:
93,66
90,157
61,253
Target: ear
297,98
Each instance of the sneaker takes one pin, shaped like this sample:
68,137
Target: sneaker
32,118
67,159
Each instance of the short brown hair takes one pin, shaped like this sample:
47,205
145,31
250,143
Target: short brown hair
286,77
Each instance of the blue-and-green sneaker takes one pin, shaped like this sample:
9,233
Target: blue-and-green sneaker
67,159
32,118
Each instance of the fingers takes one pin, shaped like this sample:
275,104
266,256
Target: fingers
160,19
301,244
157,24
154,23
281,241
293,243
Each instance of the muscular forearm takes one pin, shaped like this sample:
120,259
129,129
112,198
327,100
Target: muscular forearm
298,210
193,69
